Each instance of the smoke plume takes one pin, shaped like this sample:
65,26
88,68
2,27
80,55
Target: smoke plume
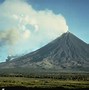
22,28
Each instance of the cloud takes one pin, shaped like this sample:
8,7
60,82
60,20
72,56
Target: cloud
13,36
10,36
20,24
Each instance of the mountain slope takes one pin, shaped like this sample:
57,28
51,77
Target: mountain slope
65,52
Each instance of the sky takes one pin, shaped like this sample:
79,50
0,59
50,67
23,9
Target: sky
26,25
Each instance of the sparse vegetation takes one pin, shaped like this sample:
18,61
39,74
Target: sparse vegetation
42,83
45,80
37,78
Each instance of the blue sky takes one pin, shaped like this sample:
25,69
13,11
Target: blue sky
26,25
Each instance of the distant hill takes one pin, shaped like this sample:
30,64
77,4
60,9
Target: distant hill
67,52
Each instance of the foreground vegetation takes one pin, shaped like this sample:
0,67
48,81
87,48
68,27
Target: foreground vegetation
43,79
42,82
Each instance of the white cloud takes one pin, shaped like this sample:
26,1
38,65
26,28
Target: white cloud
35,28
13,36
26,34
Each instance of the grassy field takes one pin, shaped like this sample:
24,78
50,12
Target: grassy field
42,83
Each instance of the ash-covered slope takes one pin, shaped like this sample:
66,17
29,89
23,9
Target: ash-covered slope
65,52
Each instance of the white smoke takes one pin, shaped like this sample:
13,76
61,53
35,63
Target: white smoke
23,28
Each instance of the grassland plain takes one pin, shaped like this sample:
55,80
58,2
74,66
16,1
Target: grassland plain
42,83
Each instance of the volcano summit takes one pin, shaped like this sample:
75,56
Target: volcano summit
67,52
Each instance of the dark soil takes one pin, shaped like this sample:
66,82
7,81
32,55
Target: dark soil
29,88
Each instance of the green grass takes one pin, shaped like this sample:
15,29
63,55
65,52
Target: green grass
42,83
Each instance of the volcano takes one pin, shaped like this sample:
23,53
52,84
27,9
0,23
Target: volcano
65,52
